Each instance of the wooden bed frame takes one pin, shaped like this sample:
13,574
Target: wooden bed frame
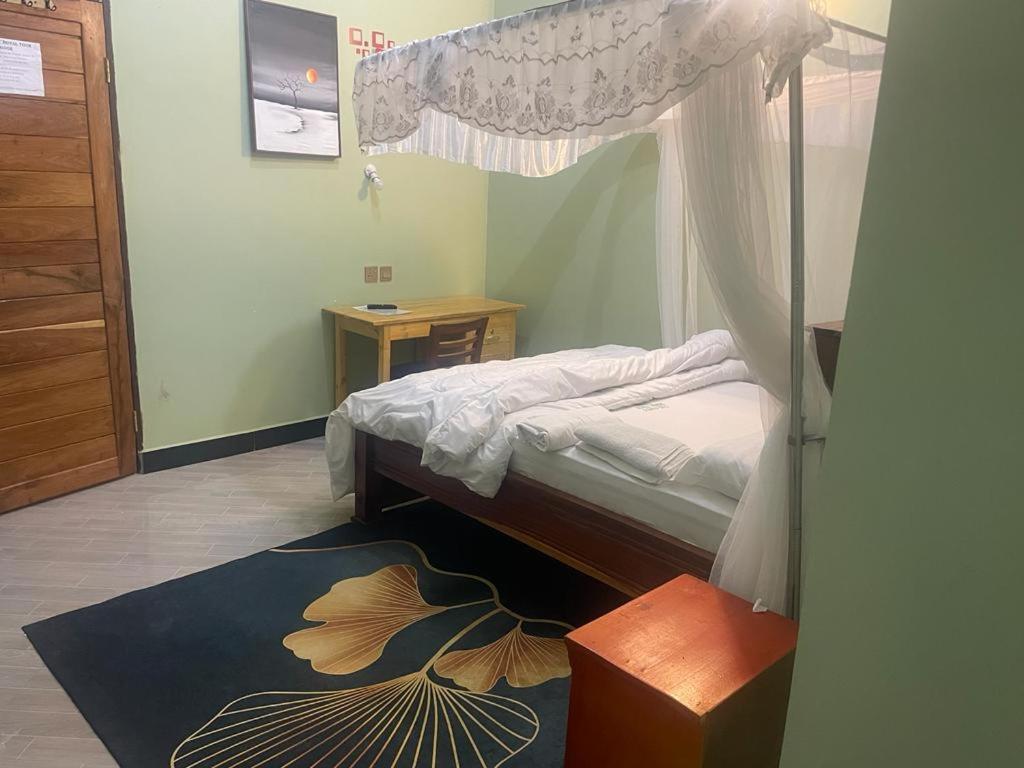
627,554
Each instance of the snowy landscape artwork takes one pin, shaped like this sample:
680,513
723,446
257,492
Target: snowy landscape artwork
293,80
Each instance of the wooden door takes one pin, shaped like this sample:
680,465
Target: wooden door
66,406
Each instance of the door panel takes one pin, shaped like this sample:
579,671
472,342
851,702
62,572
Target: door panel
50,310
66,408
40,18
48,486
58,460
52,341
26,116
39,224
60,51
52,372
50,22
51,402
64,86
35,189
39,436
46,254
48,281
38,153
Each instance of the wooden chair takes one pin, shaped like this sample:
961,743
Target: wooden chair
448,345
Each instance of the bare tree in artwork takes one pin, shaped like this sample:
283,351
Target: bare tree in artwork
293,84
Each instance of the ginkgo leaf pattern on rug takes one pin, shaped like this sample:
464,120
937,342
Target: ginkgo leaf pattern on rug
524,660
410,721
360,616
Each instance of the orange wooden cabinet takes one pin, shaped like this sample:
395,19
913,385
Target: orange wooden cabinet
686,676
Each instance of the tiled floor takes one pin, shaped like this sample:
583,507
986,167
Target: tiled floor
130,534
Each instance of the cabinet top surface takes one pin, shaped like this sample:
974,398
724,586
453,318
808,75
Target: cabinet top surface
421,310
693,642
836,326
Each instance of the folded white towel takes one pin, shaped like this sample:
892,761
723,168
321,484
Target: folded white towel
555,429
639,452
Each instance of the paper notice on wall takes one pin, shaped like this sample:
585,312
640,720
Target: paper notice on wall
21,68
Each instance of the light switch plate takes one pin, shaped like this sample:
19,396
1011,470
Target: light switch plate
370,274
385,274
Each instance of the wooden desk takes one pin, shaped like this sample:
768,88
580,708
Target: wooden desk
500,343
686,676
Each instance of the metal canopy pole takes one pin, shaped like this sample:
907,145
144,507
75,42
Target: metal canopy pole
797,311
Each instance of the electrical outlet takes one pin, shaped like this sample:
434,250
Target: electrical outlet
385,274
370,274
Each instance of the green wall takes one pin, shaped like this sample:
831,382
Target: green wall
912,641
872,15
577,249
232,256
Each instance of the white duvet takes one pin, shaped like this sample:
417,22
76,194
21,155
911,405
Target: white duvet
465,419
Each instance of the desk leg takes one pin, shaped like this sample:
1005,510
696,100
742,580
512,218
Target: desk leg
340,363
383,355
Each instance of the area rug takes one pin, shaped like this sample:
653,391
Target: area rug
428,640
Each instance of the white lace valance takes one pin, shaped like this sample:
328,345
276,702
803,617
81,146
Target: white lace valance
578,69
447,138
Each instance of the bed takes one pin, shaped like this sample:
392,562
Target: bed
581,510
698,75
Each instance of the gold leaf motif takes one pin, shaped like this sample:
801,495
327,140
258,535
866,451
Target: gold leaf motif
525,660
360,616
409,722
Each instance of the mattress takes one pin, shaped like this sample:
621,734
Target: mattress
720,415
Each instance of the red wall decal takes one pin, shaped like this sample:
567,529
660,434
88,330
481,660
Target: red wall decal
365,45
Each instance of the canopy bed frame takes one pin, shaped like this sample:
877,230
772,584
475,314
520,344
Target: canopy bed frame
627,554
446,97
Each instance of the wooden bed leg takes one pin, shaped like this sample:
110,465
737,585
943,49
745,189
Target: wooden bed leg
369,484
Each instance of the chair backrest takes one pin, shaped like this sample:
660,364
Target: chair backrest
456,343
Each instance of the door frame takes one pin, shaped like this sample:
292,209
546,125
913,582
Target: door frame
129,318
97,49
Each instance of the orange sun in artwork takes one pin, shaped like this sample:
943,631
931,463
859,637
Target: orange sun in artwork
312,75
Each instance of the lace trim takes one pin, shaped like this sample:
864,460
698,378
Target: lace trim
558,94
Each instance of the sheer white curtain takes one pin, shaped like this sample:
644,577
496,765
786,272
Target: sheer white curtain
685,302
731,202
841,82
735,197
446,137
676,257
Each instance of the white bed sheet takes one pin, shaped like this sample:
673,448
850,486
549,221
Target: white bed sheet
714,415
464,418
709,416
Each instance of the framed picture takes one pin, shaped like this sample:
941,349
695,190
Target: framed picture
293,80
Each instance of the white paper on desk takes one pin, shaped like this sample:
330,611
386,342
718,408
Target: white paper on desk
364,308
21,68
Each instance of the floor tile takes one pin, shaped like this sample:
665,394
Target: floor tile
130,534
